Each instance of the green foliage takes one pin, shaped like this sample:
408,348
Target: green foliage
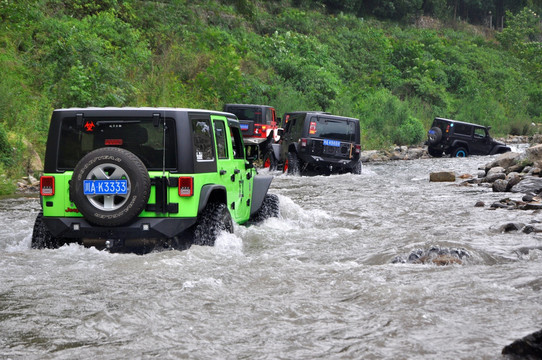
521,28
6,150
91,61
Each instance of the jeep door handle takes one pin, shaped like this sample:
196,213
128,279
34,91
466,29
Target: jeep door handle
223,172
236,171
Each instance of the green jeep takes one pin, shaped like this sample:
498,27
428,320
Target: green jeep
137,179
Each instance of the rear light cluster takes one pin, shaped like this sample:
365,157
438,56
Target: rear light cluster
47,186
260,130
358,149
186,186
303,142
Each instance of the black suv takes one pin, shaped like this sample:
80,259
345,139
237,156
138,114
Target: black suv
461,139
318,143
129,178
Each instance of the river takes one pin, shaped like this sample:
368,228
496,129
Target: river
316,283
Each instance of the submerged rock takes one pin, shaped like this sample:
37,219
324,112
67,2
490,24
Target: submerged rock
434,255
528,347
442,176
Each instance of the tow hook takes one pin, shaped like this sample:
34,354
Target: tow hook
113,244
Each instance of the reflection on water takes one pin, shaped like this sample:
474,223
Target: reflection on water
317,283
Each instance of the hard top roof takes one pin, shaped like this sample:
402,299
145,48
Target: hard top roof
249,105
143,109
322,113
461,122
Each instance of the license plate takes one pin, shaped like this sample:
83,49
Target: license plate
335,143
244,127
105,187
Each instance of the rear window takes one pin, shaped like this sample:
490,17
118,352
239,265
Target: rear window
247,113
139,136
343,130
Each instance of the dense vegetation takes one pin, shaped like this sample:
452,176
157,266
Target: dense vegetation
394,64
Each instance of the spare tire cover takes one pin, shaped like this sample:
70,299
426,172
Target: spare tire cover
110,164
434,135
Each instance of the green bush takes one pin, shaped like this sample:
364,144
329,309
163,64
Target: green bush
6,150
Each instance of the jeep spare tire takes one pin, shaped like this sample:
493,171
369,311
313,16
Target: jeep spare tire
110,186
434,135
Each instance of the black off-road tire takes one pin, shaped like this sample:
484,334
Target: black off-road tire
434,152
41,236
214,219
269,160
434,135
460,152
269,208
292,164
115,163
356,170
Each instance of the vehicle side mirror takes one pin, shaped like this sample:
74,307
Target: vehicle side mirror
279,121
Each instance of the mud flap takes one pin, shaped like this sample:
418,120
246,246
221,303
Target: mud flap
259,190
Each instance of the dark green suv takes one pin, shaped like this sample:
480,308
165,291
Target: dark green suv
141,178
461,139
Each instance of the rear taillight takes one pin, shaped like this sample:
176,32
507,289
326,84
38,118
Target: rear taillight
448,128
186,186
303,142
358,149
47,186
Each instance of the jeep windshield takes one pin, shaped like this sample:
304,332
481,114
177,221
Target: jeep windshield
247,113
327,128
140,136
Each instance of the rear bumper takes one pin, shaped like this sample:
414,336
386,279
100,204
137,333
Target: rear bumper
328,164
79,228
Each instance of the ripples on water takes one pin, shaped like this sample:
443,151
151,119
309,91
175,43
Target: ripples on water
316,283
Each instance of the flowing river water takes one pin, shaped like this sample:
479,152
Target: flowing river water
316,283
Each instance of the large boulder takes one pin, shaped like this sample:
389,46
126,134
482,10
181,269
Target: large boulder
505,160
529,347
442,176
529,184
534,154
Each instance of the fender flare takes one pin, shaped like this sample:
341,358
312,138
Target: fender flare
500,149
276,151
259,190
216,192
459,143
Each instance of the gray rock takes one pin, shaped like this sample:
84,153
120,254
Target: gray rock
534,154
495,170
528,185
491,178
415,153
528,347
504,160
511,227
513,179
500,185
479,204
434,255
442,176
